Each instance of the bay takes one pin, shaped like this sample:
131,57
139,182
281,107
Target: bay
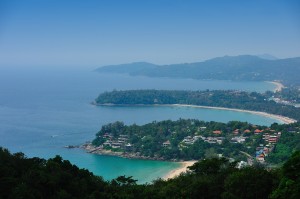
41,111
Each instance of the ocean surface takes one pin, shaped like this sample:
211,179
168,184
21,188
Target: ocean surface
41,111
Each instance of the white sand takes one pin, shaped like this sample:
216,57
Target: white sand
183,168
279,86
286,120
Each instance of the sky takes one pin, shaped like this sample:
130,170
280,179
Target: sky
92,33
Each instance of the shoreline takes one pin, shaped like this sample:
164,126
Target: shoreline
183,164
182,169
281,118
279,86
171,174
89,148
284,119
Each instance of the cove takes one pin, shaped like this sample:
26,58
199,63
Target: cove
41,112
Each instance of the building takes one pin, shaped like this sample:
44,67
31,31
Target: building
167,143
257,131
247,131
217,132
239,139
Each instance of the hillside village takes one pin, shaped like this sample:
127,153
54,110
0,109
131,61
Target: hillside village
188,141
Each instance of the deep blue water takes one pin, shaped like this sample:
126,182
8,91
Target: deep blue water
41,111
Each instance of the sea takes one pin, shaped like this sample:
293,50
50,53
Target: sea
43,110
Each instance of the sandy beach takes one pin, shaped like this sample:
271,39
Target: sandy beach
279,86
183,168
285,120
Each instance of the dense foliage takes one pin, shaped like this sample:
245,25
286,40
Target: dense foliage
193,139
22,177
289,143
218,98
236,68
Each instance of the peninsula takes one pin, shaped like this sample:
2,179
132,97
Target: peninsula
190,139
256,103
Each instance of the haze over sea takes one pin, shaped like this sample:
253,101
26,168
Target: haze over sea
42,111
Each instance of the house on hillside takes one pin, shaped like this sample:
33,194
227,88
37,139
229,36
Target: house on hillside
247,131
236,131
166,143
257,131
217,132
238,139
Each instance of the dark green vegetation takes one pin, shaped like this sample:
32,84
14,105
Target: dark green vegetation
288,143
22,177
194,139
219,98
237,68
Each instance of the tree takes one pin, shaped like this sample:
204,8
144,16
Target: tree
289,186
248,183
211,166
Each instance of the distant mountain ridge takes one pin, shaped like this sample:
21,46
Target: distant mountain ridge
236,68
127,68
267,56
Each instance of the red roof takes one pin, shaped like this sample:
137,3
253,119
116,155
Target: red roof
217,132
257,131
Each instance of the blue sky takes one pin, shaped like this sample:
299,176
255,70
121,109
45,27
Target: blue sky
91,33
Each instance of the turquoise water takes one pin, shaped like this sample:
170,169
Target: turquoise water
42,111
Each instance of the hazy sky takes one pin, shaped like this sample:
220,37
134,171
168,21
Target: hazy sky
91,33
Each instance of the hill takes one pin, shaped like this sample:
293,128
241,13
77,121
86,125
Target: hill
127,68
235,68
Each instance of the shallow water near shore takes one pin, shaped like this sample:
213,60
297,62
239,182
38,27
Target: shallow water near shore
41,112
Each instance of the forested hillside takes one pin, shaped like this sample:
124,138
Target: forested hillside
192,139
29,178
